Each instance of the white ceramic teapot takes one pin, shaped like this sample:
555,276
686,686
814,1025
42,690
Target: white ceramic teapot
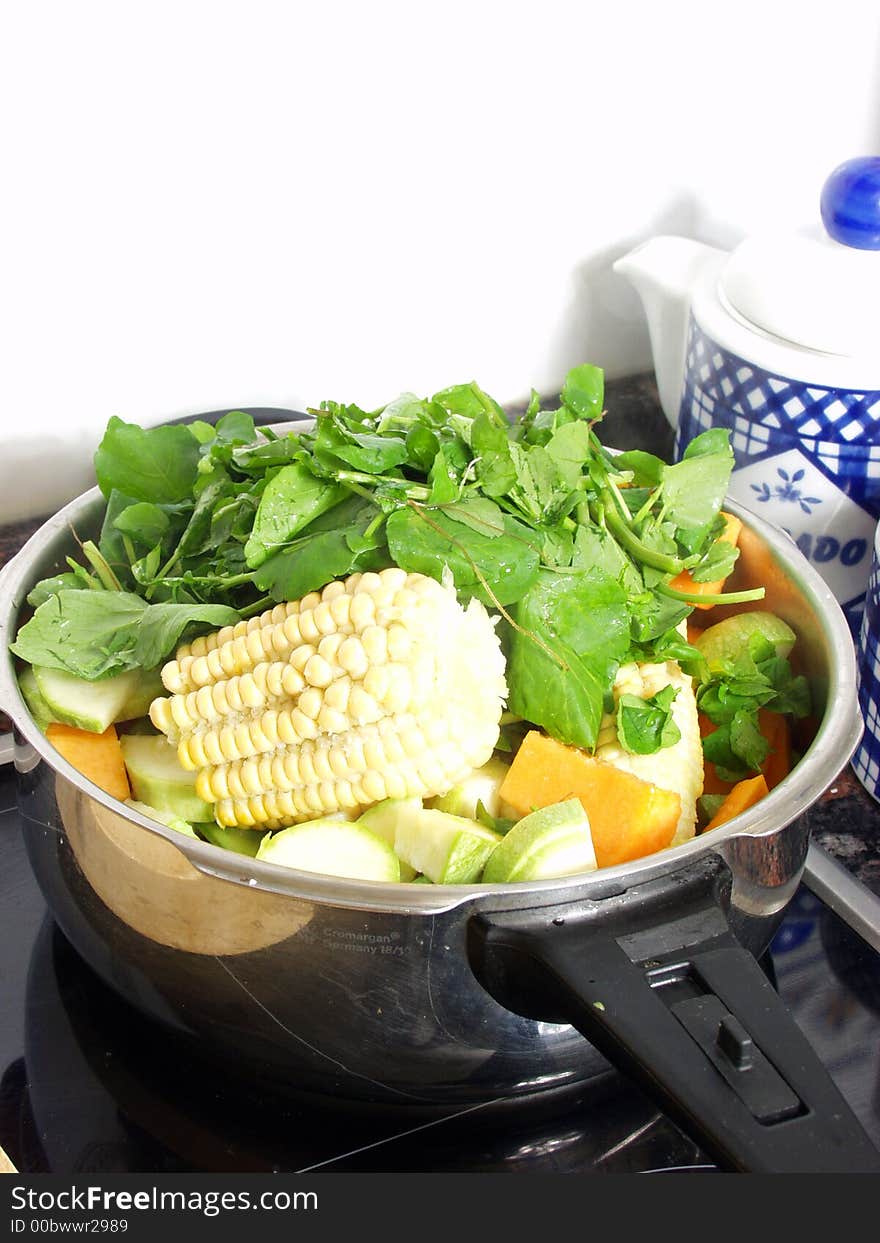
779,341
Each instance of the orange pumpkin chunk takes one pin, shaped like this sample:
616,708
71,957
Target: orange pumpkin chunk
743,795
628,817
96,756
777,731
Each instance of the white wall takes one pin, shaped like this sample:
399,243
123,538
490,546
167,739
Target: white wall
212,204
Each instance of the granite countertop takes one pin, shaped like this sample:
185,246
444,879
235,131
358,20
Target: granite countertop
845,820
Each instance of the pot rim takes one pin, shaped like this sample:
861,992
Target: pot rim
830,750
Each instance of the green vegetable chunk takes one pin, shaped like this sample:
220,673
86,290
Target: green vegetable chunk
168,818
385,818
553,841
158,778
241,841
449,850
33,697
726,641
483,786
334,847
87,705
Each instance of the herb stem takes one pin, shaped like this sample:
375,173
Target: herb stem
632,544
725,597
95,558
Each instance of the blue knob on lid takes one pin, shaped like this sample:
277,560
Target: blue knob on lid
850,203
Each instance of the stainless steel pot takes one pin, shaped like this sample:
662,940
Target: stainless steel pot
417,996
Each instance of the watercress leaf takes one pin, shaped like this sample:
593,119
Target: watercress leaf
337,444
572,632
646,468
583,391
291,500
544,475
791,694
422,446
47,587
202,431
693,489
717,563
718,751
196,536
255,458
111,541
569,447
708,806
83,577
715,440
143,521
595,548
746,740
652,616
478,513
557,546
541,428
444,476
522,425
497,569
407,412
236,428
162,626
316,559
147,567
469,400
491,447
90,634
645,726
669,645
148,464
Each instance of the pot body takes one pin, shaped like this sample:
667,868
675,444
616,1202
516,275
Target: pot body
364,991
805,432
371,1006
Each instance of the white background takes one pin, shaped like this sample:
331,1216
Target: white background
211,204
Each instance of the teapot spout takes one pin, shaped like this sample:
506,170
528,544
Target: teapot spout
663,270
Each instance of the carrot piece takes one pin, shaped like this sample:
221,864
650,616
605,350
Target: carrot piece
628,817
96,756
777,731
684,582
743,795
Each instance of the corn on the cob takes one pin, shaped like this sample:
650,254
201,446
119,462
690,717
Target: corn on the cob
381,686
679,767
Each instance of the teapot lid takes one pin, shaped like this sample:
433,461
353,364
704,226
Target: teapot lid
819,287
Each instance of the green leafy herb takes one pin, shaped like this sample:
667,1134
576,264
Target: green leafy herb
647,725
292,499
497,569
93,634
147,464
571,633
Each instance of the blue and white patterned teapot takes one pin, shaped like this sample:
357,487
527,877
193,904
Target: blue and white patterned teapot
779,341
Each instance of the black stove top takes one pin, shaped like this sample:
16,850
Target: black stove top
88,1086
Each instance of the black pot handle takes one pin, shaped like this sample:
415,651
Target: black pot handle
654,979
